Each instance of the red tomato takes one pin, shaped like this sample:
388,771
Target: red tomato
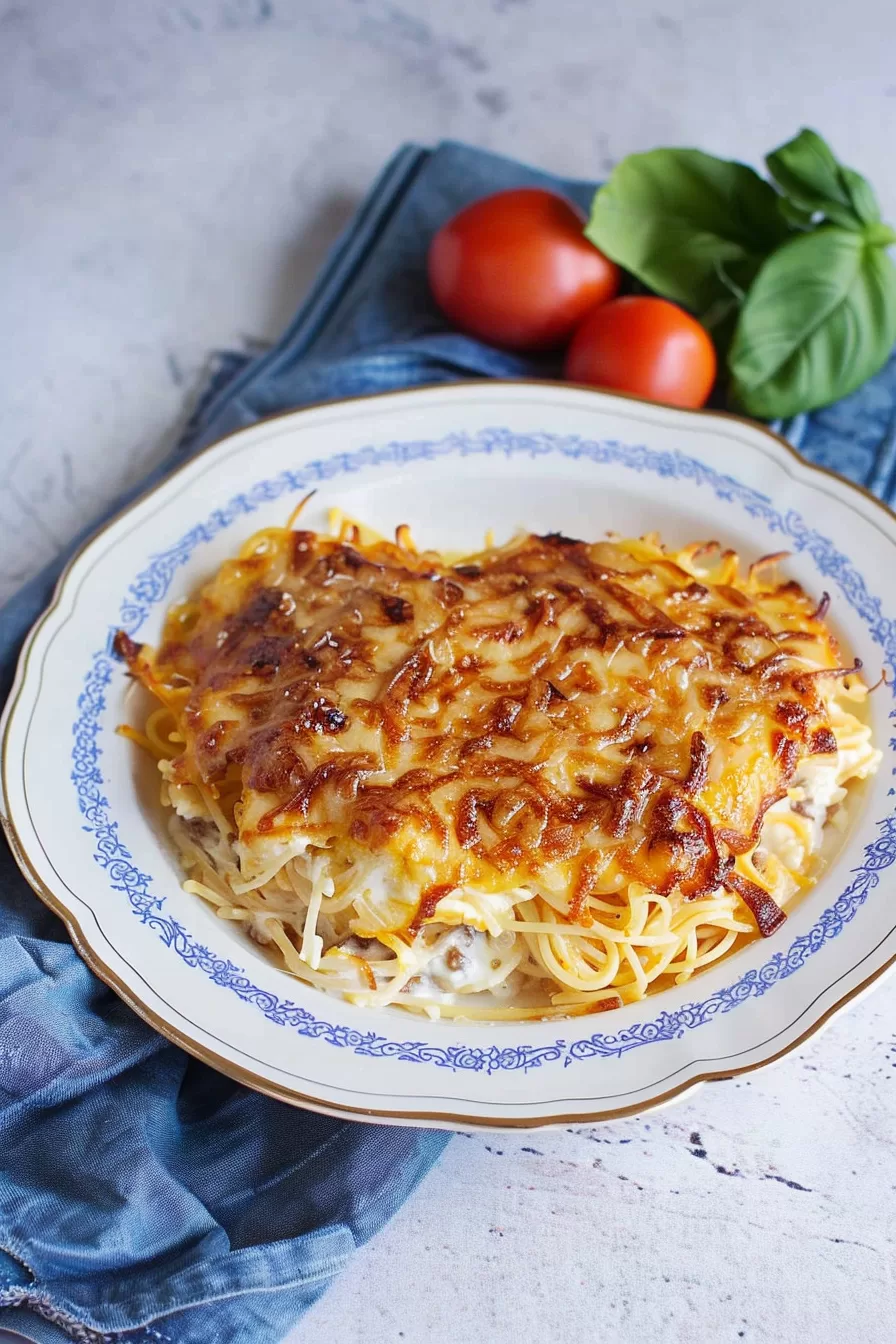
646,346
516,270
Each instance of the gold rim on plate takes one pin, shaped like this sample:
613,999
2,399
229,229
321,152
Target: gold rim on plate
427,1119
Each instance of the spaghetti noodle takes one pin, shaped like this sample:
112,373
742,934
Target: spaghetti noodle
540,782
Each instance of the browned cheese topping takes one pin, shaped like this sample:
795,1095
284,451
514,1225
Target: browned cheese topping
551,712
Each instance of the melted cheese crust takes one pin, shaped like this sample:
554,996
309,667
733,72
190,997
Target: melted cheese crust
546,733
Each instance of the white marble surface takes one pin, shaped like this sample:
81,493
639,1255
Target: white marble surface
171,175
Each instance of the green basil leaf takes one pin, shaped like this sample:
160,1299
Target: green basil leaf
797,215
682,221
810,175
818,321
880,235
861,193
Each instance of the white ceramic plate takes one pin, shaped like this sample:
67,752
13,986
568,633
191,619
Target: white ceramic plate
452,461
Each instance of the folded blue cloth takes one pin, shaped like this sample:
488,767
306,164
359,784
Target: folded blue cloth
143,1196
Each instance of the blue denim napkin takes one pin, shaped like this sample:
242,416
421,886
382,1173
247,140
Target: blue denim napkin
144,1197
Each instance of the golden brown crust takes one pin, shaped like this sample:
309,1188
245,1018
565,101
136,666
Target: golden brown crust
507,719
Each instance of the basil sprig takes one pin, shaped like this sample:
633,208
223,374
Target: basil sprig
810,177
791,277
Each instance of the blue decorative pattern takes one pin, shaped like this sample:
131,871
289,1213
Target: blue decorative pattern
151,587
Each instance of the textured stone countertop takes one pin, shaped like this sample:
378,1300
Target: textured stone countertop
172,173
